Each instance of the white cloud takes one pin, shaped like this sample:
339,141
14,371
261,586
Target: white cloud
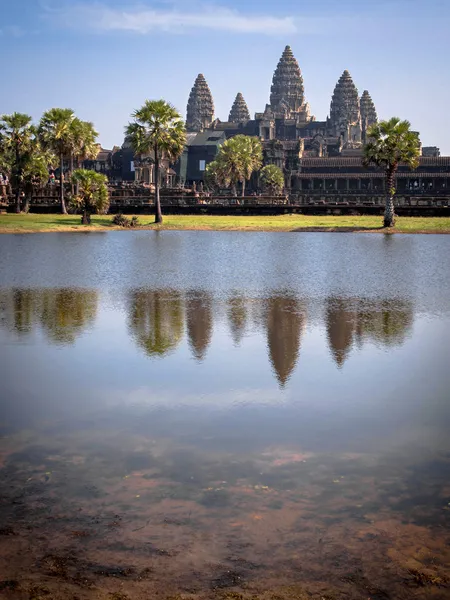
144,20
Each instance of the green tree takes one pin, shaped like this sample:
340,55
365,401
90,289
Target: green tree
92,194
156,320
16,150
83,144
36,171
237,159
273,179
56,135
391,143
157,129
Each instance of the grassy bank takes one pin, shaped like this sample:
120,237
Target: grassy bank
33,223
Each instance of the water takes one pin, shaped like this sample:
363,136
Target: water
224,415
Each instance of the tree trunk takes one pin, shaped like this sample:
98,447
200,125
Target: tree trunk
86,218
72,187
61,184
28,199
77,187
243,188
17,204
389,213
18,179
158,214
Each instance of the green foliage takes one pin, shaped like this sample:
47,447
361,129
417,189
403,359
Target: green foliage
123,221
93,196
22,157
237,159
390,143
55,130
83,140
273,179
158,130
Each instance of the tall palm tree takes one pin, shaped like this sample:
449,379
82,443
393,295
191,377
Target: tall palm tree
389,144
84,140
159,129
16,140
55,133
83,144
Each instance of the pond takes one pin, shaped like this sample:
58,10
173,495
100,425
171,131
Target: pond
224,414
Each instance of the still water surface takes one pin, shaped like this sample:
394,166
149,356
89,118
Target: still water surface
210,414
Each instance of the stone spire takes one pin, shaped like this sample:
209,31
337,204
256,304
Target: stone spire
345,113
239,111
200,108
368,113
287,91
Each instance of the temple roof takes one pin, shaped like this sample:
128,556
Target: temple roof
287,85
368,111
239,111
200,108
345,101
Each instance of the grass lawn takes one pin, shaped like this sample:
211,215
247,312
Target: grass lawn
34,223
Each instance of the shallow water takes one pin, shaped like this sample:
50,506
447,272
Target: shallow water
223,414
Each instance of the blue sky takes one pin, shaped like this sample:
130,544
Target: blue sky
103,58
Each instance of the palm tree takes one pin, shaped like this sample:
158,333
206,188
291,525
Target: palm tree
56,135
92,195
273,178
83,143
238,157
391,143
35,174
16,138
159,129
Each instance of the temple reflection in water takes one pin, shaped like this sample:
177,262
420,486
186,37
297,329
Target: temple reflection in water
158,321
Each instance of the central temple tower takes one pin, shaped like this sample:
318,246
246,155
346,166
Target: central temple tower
287,94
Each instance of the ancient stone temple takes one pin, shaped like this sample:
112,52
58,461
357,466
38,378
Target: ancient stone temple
368,113
200,108
287,91
239,111
345,113
312,153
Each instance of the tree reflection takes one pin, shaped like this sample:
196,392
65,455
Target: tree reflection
340,318
237,317
62,313
285,324
199,317
66,313
348,320
156,320
386,322
18,310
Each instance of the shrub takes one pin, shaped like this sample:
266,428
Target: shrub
123,221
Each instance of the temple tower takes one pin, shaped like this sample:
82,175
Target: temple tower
287,93
368,113
239,111
200,108
345,115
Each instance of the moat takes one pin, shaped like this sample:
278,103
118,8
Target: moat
224,415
